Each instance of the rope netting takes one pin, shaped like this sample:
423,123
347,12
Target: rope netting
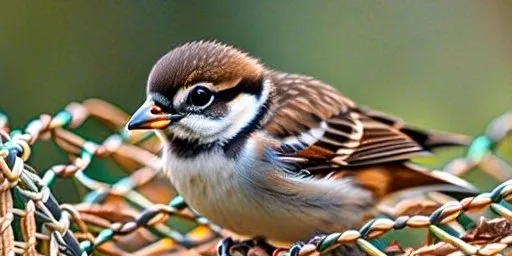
140,214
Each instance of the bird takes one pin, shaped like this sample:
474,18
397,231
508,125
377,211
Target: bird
284,156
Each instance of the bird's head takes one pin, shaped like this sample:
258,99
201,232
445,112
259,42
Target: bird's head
203,91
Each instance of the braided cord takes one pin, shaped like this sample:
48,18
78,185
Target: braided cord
32,222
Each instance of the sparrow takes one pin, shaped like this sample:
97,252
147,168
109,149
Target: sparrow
278,155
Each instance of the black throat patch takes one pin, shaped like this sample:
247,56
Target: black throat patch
188,148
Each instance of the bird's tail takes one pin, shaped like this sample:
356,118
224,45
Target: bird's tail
434,139
398,176
445,183
429,140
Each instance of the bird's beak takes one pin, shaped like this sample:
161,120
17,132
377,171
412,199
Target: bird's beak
150,116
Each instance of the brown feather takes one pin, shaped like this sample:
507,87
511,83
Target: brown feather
385,179
366,144
202,61
300,102
354,136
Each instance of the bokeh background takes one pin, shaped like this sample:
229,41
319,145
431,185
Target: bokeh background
437,64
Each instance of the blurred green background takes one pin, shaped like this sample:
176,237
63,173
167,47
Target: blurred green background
437,64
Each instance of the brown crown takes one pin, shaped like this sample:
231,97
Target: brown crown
202,61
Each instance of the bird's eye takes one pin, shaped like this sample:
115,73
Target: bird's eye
200,96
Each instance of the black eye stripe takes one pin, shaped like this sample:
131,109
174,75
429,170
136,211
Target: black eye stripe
249,86
253,87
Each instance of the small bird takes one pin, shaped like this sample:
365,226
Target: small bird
282,156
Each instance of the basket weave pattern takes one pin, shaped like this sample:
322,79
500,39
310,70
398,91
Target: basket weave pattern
140,214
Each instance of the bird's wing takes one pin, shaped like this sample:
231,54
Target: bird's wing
320,133
317,125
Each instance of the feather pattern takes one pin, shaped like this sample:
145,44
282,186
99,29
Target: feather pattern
321,130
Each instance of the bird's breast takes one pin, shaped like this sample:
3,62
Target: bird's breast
249,197
210,184
205,176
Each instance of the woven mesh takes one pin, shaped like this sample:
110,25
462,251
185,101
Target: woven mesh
140,214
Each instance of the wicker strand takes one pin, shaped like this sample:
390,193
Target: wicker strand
99,225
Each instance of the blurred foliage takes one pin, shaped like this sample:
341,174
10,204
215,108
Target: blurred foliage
437,64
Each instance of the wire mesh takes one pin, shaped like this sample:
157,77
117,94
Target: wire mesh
141,214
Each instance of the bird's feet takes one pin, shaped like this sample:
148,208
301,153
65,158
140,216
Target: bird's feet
297,246
341,250
255,247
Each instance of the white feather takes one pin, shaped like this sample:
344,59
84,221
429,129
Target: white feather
248,196
308,137
241,110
